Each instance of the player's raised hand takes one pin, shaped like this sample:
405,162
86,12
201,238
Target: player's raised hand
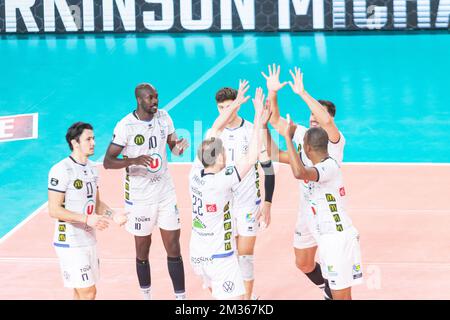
258,100
181,145
297,86
241,98
273,79
97,222
143,160
265,115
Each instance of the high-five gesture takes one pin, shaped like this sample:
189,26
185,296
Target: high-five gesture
273,79
258,100
222,120
262,110
297,86
241,98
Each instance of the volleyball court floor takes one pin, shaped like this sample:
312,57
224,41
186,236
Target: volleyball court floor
387,113
396,207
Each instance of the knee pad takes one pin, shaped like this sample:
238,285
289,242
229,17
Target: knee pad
246,266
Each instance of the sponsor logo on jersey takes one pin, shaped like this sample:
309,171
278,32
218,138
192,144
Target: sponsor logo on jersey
227,226
299,148
62,228
176,210
331,271
211,208
89,207
142,219
330,197
198,260
357,273
229,171
78,184
62,237
249,217
197,223
86,268
155,164
342,191
228,286
54,182
66,276
139,139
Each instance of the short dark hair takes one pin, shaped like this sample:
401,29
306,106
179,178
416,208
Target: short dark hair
75,131
225,94
209,150
331,108
317,138
143,87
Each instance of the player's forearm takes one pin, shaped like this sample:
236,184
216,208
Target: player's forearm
322,116
269,180
254,149
110,162
257,140
274,108
221,121
102,208
297,167
60,213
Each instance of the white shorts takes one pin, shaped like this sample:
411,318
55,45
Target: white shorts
244,219
222,275
79,266
144,217
340,258
303,237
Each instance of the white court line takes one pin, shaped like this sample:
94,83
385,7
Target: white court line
21,224
418,211
419,264
436,164
228,58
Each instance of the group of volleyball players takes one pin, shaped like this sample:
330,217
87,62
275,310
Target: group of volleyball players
227,206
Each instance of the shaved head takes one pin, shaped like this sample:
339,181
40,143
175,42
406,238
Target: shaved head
142,89
317,139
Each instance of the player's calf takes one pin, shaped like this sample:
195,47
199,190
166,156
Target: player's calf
86,293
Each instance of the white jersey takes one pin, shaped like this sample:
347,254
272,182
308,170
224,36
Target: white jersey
143,183
212,235
326,199
236,143
79,184
335,150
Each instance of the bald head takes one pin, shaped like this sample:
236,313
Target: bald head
317,139
143,89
